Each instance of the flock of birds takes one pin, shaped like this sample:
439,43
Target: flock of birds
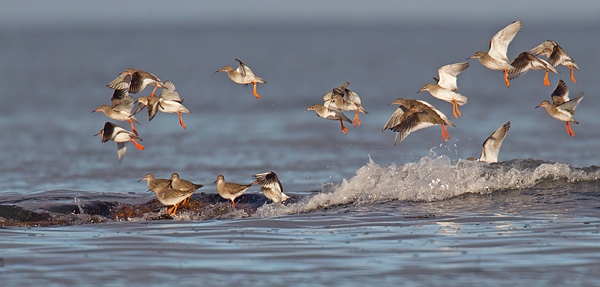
410,116
413,115
175,191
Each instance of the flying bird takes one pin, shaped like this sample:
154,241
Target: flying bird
495,58
119,135
343,99
446,89
556,56
242,75
413,115
561,107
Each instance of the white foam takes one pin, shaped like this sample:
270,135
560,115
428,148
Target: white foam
431,179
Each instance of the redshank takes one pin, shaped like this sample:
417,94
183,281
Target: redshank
491,146
135,80
413,115
155,183
527,61
120,109
326,113
165,194
242,75
230,190
556,56
343,99
147,101
270,186
561,107
183,185
446,89
495,58
169,102
119,135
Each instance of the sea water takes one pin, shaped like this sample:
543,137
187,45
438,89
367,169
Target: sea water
362,211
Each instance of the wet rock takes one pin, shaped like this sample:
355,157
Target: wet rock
16,213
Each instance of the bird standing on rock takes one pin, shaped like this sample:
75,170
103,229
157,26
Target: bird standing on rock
230,190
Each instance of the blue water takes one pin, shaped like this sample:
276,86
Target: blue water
363,211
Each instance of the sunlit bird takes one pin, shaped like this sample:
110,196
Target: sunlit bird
495,58
242,75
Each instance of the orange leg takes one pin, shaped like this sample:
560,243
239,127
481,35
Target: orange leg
344,129
455,109
172,211
133,127
570,129
233,202
506,78
546,82
356,120
181,120
137,145
572,76
255,94
155,87
445,134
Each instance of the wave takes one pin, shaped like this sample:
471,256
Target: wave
432,178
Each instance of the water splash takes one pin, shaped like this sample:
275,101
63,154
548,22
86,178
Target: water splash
80,205
430,179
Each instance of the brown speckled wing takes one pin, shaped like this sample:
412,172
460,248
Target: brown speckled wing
233,187
107,132
544,48
242,66
121,82
153,109
408,122
268,180
558,55
395,119
122,97
521,65
560,95
137,83
138,108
